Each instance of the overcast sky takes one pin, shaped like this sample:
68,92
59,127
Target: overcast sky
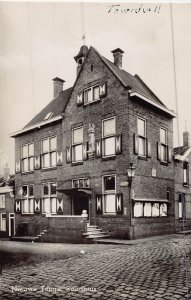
39,40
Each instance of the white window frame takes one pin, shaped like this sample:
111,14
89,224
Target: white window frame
2,227
28,158
49,198
84,180
29,200
49,152
91,93
185,173
111,192
107,137
164,145
144,138
2,201
74,145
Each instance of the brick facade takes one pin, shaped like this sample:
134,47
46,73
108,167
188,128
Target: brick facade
146,186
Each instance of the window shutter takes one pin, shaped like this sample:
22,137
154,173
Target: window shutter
17,206
18,166
59,158
80,99
103,90
37,206
68,155
148,148
37,162
99,204
59,206
118,144
84,150
159,151
136,143
119,203
98,148
169,154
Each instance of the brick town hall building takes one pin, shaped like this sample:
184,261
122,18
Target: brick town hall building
75,156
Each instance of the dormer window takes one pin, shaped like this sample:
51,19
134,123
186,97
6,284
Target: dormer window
48,116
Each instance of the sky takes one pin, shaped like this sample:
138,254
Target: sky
38,41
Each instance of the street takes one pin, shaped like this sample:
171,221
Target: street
155,270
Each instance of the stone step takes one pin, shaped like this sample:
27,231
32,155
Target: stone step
99,236
93,232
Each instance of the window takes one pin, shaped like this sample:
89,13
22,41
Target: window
80,183
141,124
182,207
49,146
109,194
185,173
3,222
49,198
108,135
2,201
150,209
27,154
91,94
77,141
27,199
164,146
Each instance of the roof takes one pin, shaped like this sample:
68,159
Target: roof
135,83
56,107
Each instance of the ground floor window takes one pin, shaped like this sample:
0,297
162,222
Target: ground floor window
182,207
27,199
3,222
149,209
49,201
109,194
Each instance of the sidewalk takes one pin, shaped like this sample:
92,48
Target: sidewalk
139,241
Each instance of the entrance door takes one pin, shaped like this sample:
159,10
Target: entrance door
80,203
11,224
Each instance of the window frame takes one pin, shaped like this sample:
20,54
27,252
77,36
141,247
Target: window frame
185,173
143,138
74,145
107,137
49,152
49,197
152,204
29,200
28,158
2,201
91,88
105,193
3,228
85,179
164,145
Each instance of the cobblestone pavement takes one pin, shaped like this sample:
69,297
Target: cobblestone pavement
153,270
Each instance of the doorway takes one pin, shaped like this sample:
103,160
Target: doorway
80,203
11,224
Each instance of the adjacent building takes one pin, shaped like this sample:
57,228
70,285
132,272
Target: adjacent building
73,157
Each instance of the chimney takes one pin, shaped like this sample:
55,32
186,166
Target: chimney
80,57
117,55
58,86
186,139
6,172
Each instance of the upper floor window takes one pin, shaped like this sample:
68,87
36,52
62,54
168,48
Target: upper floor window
28,199
141,125
163,144
80,183
108,136
91,94
185,173
77,141
49,147
3,222
182,206
109,194
49,197
2,201
27,154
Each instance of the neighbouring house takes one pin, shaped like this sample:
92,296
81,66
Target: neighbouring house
7,213
73,157
182,175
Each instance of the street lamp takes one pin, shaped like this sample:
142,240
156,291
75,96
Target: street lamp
131,173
